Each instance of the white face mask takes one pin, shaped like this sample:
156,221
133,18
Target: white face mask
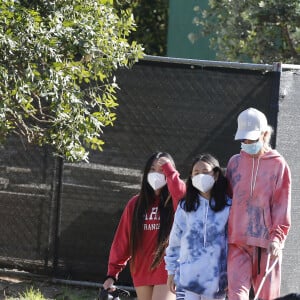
203,182
156,180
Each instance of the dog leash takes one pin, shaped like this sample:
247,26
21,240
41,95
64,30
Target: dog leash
267,272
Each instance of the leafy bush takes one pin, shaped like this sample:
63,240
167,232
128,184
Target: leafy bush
57,64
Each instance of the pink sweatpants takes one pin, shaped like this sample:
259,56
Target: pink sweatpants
246,268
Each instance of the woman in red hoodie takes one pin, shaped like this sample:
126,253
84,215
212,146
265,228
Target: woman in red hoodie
144,229
260,215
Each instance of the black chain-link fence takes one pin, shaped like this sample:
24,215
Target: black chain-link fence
59,218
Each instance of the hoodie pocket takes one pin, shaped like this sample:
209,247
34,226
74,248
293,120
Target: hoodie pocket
200,276
257,226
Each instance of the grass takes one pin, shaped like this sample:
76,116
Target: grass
65,294
82,294
29,294
17,289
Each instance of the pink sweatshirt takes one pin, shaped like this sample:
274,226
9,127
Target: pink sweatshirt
261,202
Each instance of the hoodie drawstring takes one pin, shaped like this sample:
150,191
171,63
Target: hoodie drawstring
253,179
206,205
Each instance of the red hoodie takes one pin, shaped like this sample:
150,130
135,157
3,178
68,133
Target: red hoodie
120,249
261,202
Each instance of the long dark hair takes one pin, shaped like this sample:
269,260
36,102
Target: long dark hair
144,202
218,193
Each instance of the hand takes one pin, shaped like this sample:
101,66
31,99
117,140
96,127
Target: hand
109,284
162,160
274,248
171,284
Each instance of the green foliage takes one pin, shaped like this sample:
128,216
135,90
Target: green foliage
29,294
57,63
33,293
259,31
151,17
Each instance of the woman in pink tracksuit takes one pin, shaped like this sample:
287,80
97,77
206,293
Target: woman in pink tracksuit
260,215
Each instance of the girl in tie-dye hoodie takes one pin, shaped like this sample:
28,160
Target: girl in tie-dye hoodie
197,251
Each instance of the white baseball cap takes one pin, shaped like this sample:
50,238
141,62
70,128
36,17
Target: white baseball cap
251,123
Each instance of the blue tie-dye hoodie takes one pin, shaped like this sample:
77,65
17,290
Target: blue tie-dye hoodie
197,250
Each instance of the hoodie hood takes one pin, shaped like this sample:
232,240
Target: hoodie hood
267,155
254,164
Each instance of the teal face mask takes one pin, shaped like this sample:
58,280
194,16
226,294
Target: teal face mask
252,148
